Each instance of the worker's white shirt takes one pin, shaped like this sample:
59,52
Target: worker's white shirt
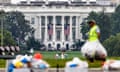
98,29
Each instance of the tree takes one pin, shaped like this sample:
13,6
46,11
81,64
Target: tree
18,26
33,43
105,25
7,38
116,21
84,30
93,15
112,44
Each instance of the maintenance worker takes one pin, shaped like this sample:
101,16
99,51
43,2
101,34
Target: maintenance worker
93,49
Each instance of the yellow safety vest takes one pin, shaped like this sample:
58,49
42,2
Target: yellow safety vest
93,34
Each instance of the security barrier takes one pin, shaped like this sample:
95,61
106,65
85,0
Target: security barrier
8,52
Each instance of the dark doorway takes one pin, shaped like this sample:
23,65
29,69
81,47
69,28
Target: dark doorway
67,46
58,46
49,45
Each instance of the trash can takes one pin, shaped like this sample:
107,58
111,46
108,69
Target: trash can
76,69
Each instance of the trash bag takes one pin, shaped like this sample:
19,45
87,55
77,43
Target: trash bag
42,66
18,64
10,67
37,56
90,49
24,60
111,65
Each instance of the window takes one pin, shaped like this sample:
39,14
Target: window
49,45
58,35
58,46
43,33
42,20
32,20
50,19
73,34
66,38
58,20
50,37
67,46
67,20
74,20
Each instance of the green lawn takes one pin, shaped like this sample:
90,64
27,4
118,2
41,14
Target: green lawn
2,63
51,54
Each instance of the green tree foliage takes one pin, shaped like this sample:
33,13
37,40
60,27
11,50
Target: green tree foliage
84,30
116,21
18,26
33,43
112,44
93,15
105,25
15,23
7,38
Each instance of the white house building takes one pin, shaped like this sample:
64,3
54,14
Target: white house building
57,23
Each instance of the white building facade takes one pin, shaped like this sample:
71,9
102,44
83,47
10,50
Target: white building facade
57,24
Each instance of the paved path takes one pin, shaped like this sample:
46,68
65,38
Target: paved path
62,70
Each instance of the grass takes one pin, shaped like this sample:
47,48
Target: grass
2,63
51,54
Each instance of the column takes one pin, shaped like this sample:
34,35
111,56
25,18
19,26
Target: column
71,29
63,39
77,27
35,24
40,26
46,32
54,33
